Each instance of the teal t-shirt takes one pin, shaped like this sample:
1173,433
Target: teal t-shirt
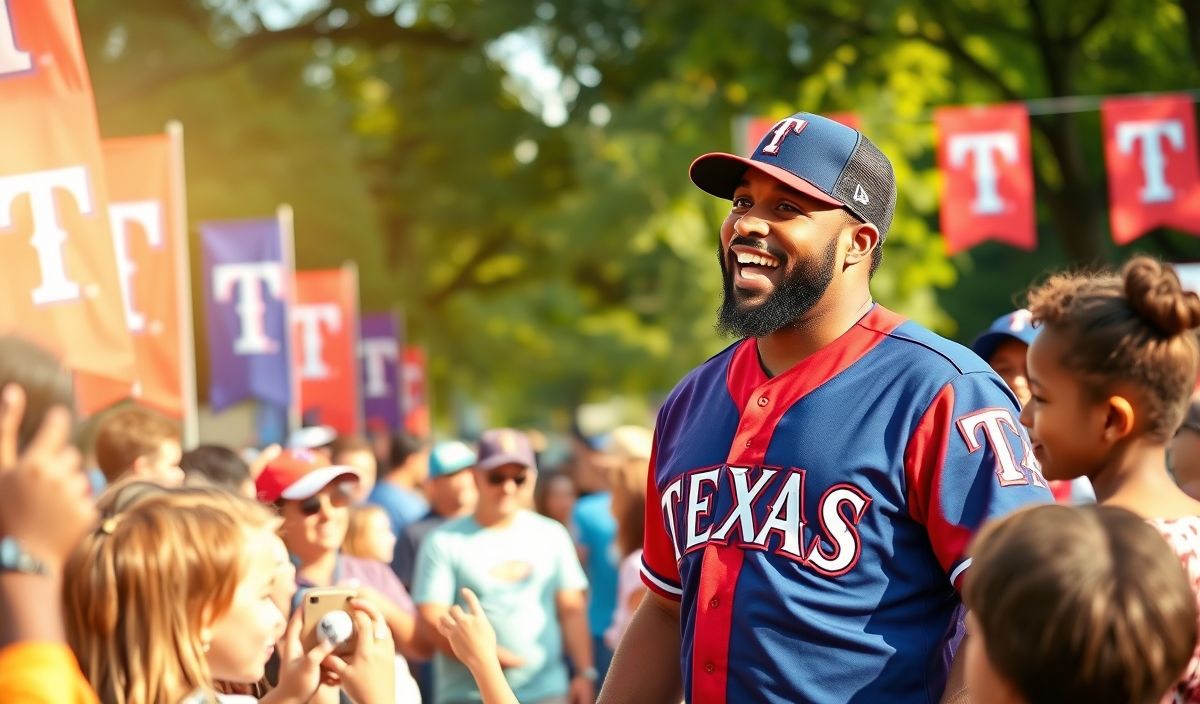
516,570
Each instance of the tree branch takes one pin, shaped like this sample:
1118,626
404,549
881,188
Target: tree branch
490,247
948,42
1102,11
374,30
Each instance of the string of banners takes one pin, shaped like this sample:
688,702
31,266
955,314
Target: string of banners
95,244
987,187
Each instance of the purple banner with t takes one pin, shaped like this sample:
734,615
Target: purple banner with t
379,350
247,276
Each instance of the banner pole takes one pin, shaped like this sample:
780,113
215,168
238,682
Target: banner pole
183,278
286,219
356,390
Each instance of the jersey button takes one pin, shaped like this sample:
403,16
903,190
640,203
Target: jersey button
714,603
709,667
762,400
747,443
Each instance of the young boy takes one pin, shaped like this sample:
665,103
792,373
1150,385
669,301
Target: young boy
1083,604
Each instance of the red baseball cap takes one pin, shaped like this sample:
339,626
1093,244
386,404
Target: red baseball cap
296,475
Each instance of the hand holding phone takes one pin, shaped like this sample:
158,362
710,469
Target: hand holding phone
327,617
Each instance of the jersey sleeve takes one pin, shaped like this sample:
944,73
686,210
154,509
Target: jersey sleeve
969,461
660,566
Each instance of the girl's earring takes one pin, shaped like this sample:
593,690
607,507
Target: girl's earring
205,645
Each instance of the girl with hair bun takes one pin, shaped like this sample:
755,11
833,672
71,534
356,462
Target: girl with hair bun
1111,373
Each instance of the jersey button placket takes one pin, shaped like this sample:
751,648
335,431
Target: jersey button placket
763,401
710,668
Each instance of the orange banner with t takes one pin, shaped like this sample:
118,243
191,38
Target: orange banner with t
149,237
60,286
325,331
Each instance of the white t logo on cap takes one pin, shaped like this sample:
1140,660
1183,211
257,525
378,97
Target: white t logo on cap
860,194
790,125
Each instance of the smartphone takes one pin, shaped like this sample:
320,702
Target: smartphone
319,601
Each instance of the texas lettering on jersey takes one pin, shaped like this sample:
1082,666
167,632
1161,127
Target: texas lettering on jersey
767,510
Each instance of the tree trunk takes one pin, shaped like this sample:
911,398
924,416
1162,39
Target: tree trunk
1074,206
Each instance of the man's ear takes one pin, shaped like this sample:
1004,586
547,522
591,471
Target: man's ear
1119,419
864,238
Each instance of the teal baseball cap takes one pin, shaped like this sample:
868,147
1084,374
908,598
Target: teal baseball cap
450,456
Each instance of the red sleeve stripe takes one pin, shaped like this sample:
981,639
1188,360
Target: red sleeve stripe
660,585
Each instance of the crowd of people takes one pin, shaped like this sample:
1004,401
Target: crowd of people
841,507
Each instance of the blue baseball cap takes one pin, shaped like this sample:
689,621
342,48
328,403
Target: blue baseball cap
450,456
819,157
1017,325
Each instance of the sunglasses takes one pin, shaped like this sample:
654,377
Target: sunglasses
340,497
501,479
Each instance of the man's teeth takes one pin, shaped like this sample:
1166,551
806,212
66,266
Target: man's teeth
746,259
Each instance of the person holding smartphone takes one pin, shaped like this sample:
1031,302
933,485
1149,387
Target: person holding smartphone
314,499
530,585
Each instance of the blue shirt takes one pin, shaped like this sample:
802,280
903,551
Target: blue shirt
597,531
517,571
814,525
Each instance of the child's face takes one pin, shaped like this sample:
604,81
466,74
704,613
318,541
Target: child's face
244,636
1065,424
381,541
1009,362
984,682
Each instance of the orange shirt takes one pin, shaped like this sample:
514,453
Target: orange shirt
37,673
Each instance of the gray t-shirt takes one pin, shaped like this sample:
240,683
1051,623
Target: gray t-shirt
517,571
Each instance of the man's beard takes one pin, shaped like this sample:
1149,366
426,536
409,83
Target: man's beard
796,294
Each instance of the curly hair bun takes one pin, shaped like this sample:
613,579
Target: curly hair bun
1154,291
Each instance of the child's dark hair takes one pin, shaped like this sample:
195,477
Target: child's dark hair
1081,605
1135,327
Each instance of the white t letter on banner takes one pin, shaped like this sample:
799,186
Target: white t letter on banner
48,233
312,342
982,147
252,311
148,215
12,59
1154,162
376,351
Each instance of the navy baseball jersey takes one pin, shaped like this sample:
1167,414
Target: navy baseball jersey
814,525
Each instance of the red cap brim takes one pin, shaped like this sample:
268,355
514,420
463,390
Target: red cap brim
719,174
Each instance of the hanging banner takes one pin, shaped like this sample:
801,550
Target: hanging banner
414,397
987,176
1153,177
325,324
60,284
148,241
753,128
379,357
248,294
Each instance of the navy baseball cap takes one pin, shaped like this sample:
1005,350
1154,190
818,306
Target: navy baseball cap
505,446
1017,325
450,456
817,156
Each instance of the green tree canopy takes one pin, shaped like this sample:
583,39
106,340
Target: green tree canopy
513,176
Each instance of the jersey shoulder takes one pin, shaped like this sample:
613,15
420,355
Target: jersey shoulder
928,350
712,371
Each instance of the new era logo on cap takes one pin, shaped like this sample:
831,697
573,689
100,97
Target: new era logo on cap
824,159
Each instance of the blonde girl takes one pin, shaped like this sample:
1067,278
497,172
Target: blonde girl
1110,375
370,534
631,446
175,591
